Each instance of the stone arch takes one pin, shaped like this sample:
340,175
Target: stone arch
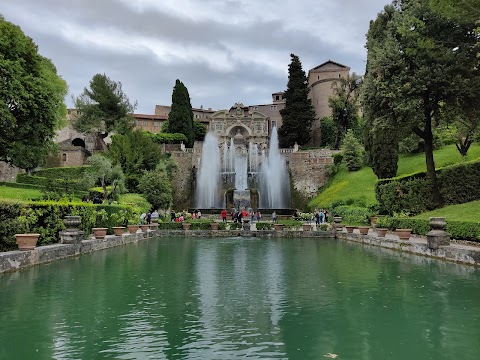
231,130
78,142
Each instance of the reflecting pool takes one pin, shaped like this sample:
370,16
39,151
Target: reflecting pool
176,298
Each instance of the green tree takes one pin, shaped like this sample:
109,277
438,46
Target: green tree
157,187
31,99
104,173
352,151
136,152
200,130
420,64
298,114
327,129
103,108
460,10
344,105
180,118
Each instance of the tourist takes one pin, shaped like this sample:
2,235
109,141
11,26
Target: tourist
244,214
259,216
224,215
172,215
321,215
274,217
252,215
199,214
142,218
326,216
317,217
149,218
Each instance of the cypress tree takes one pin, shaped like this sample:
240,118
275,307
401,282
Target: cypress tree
180,119
298,114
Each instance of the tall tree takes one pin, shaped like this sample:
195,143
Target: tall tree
180,119
31,99
422,63
135,152
103,108
344,105
104,173
298,114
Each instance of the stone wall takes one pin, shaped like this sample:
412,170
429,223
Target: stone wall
9,173
182,180
307,169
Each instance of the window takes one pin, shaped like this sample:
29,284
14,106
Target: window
64,157
318,77
274,123
155,124
277,97
134,122
273,107
145,122
218,127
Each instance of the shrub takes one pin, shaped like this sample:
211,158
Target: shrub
353,214
412,194
170,225
418,226
167,138
464,230
9,213
352,151
337,158
264,226
328,130
290,223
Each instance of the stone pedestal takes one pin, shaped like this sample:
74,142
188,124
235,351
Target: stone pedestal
246,225
71,235
437,236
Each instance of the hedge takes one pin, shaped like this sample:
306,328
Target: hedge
46,218
458,184
20,186
264,225
460,230
65,172
167,138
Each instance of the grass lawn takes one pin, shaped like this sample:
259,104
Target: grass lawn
360,185
7,192
462,212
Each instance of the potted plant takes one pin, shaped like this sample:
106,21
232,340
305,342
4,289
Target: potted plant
99,233
144,227
307,227
186,225
214,225
404,234
118,230
350,228
278,227
363,230
27,240
381,232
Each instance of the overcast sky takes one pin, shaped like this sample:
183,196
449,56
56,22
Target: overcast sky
224,51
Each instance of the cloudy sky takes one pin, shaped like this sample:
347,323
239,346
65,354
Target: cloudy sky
224,51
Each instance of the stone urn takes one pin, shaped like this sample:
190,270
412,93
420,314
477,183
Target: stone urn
373,220
337,219
26,241
278,227
99,233
307,227
437,236
186,225
118,230
214,225
72,222
153,226
363,230
381,232
404,234
350,228
144,227
132,229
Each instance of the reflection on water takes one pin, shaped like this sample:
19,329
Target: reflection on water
242,298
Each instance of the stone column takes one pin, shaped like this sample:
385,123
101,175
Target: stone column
437,236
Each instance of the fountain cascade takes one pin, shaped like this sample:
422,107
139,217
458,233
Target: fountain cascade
234,174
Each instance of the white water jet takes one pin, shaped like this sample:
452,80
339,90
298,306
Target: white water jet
208,179
275,180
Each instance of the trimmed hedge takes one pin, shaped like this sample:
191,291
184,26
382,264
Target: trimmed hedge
264,225
412,194
290,223
460,230
65,172
20,186
170,225
47,218
167,138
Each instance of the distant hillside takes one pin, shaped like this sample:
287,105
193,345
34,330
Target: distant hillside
358,186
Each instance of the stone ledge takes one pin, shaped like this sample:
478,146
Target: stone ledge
448,253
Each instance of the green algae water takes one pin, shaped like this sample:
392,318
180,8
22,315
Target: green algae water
242,298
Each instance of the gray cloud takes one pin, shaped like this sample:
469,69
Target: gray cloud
224,51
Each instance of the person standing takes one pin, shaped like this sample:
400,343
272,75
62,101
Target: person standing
172,215
274,217
259,216
142,218
224,215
